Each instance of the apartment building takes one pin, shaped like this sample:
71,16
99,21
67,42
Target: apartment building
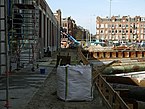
118,28
73,29
79,33
68,24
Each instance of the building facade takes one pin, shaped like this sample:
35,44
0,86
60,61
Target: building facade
68,27
49,27
32,29
121,28
68,24
79,33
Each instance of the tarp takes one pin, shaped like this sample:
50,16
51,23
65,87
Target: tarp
74,82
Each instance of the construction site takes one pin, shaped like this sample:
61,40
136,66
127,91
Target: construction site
36,73
28,29
23,32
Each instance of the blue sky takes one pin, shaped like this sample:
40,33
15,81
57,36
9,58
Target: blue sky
84,12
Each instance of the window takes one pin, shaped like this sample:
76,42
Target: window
141,36
102,25
123,31
115,31
64,24
138,19
144,36
134,31
106,25
142,19
137,25
116,25
131,25
141,25
109,26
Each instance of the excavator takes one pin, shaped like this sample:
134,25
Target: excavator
73,42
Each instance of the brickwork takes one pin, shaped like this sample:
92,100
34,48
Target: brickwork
117,28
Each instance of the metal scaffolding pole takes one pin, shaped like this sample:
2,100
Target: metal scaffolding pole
6,51
110,22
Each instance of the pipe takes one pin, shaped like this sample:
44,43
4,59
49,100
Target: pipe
124,68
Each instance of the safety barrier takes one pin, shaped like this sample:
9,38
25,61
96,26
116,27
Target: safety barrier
110,96
82,57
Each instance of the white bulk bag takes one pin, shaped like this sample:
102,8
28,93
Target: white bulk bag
74,82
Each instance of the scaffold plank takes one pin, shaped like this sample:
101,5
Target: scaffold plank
25,6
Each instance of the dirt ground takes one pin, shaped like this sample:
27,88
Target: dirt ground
46,98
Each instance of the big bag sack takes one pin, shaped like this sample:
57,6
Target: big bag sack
74,82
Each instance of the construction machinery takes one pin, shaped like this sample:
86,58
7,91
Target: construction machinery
73,43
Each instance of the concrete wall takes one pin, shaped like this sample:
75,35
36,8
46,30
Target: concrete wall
51,29
2,39
51,33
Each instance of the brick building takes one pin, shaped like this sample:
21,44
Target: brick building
121,28
68,24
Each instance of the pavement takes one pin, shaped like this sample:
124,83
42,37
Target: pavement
24,83
26,91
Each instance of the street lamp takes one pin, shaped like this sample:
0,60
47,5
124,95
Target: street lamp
110,9
110,22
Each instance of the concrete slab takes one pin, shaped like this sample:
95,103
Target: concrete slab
23,85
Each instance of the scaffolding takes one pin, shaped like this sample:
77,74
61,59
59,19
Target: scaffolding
24,38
